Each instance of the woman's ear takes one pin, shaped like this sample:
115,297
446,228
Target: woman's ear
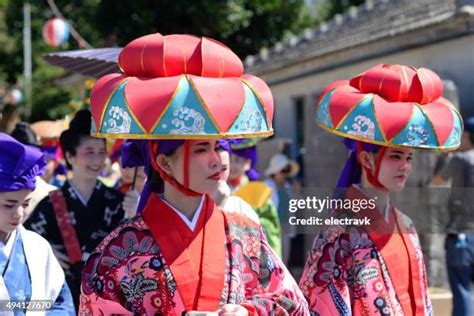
366,159
163,162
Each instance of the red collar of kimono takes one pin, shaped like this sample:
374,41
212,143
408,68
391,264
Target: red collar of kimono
198,271
373,177
183,188
393,242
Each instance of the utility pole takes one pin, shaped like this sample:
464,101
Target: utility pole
27,58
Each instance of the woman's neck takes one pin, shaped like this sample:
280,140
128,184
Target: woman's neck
185,204
380,197
84,186
4,237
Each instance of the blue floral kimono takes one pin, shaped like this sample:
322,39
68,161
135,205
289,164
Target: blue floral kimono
16,284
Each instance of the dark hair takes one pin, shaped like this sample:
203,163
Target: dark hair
9,115
156,182
24,134
79,128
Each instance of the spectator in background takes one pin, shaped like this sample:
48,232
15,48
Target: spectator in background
48,133
459,168
131,178
280,170
222,195
75,218
243,183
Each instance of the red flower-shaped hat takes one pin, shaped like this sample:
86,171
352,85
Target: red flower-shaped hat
180,87
394,106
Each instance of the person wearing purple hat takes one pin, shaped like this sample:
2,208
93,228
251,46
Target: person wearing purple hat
30,271
133,173
243,183
222,195
25,135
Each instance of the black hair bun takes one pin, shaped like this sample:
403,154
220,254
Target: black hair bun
81,123
79,127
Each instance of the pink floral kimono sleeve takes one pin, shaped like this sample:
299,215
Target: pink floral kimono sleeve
346,275
271,291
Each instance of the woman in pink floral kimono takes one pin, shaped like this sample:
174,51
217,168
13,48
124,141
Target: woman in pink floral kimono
377,269
181,254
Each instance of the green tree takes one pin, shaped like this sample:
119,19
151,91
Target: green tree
7,44
244,25
326,9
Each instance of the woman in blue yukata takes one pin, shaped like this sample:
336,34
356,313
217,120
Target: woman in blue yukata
30,272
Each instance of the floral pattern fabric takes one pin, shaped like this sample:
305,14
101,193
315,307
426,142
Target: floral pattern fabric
127,274
346,274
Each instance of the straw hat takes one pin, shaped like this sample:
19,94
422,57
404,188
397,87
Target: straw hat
278,162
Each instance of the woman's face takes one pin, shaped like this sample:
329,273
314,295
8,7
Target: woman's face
238,166
129,173
395,168
204,165
225,163
89,159
12,209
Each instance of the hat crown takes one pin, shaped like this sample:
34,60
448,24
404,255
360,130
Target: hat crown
156,55
19,164
400,83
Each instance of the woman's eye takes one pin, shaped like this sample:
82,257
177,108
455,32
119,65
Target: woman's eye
200,151
8,206
396,157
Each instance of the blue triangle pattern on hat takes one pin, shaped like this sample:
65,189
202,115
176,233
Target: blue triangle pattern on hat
455,136
185,114
418,132
252,117
117,118
322,114
93,127
361,121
